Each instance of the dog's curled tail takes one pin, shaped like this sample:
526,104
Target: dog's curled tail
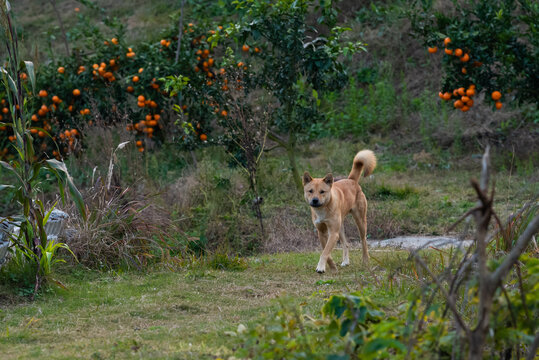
364,161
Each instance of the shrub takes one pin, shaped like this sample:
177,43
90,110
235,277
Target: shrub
489,46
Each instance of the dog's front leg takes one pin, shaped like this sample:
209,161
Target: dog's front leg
325,257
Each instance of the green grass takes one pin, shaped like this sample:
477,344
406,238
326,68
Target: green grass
183,314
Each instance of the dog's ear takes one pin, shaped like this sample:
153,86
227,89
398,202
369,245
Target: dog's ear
307,178
328,179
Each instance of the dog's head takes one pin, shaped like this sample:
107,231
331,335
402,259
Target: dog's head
317,191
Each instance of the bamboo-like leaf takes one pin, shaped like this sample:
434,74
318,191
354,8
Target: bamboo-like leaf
31,74
11,83
48,214
2,187
75,194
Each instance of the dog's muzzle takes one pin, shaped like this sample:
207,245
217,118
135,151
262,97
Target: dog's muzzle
315,203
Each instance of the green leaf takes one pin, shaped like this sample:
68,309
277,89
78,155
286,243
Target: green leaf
31,74
75,194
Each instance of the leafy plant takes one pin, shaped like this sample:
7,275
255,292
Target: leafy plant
489,46
32,244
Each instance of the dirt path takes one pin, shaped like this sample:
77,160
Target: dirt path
418,242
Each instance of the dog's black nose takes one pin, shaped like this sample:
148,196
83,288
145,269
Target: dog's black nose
315,202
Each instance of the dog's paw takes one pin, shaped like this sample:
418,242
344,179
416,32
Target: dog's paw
345,263
320,271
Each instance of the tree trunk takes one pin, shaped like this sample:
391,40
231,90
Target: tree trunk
53,3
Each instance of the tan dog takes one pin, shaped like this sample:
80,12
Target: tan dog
331,201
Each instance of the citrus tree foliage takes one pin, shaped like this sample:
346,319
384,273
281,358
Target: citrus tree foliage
492,46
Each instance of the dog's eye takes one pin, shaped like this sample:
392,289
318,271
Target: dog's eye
322,191
311,191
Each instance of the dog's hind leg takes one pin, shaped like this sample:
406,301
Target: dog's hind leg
360,217
345,247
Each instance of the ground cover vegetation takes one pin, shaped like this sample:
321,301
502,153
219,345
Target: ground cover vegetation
185,132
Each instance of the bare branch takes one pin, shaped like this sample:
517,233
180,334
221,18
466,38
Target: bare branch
449,298
532,351
520,247
180,33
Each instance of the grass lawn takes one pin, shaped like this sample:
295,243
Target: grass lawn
182,315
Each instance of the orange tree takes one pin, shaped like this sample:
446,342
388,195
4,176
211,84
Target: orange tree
292,60
108,81
490,46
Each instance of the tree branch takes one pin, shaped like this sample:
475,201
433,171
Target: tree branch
448,297
520,247
180,33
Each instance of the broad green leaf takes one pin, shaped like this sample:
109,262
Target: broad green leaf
75,194
31,74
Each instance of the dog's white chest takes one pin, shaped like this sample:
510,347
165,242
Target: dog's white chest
319,217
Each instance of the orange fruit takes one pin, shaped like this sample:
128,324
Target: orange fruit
224,113
43,93
458,104
157,116
141,104
431,50
465,58
464,71
464,108
86,111
197,69
76,92
148,117
33,131
458,52
257,50
496,95
163,42
114,41
141,98
499,105
470,92
470,103
139,143
447,96
447,40
141,149
240,64
41,112
152,123
41,134
245,47
448,51
465,99
206,52
461,91
61,69
136,78
34,117
130,89
203,137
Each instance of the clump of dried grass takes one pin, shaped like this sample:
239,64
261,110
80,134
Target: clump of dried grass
121,229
